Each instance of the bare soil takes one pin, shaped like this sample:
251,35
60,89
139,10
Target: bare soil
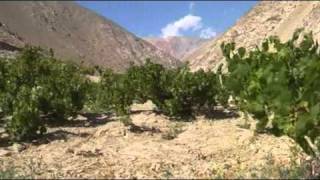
102,147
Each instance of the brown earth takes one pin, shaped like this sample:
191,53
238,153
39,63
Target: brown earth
101,147
75,33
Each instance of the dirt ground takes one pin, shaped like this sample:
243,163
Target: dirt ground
101,147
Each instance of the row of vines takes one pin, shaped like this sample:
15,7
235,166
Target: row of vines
278,84
36,89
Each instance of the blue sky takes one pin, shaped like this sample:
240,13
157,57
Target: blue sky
203,19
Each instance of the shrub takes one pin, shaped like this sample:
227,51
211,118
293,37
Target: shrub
278,84
25,122
36,84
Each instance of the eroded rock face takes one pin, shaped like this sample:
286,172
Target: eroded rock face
266,18
9,42
75,33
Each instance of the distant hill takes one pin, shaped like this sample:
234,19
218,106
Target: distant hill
177,46
266,18
76,33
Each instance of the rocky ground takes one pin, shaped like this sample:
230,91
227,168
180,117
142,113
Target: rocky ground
102,147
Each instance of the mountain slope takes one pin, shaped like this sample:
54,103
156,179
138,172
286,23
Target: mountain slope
74,32
266,18
177,46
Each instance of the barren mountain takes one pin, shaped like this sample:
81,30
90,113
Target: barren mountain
75,33
178,47
266,18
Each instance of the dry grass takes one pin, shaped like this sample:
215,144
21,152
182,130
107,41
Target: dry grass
200,149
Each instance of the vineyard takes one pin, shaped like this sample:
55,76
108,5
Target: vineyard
38,89
277,84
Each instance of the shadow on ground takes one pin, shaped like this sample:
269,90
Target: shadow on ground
141,129
87,120
5,142
145,111
216,114
46,138
57,135
219,114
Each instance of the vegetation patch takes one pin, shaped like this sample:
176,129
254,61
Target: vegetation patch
277,83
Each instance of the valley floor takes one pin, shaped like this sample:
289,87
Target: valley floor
160,148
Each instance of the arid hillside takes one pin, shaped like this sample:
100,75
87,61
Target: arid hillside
265,19
75,33
176,46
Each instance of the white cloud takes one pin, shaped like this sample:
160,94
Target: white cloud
207,33
183,24
186,24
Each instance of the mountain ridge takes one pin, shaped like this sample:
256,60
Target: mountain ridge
77,33
263,20
177,46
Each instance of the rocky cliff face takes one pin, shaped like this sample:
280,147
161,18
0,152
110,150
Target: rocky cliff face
9,42
75,33
266,18
178,47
